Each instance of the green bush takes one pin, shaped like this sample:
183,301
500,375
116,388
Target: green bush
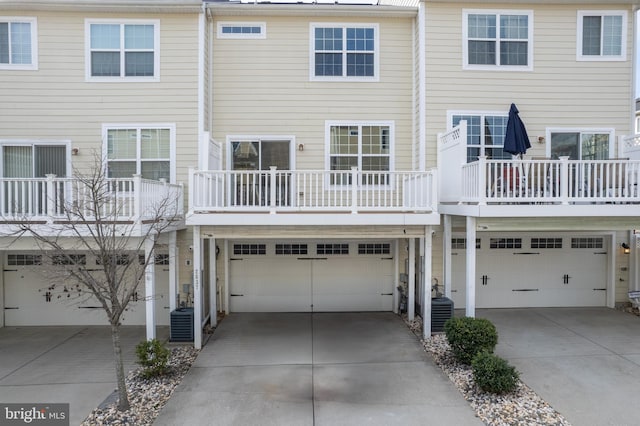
494,374
153,356
467,336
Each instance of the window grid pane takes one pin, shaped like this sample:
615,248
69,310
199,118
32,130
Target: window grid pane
4,42
138,37
139,64
105,64
482,52
121,144
105,36
155,143
513,53
20,43
612,35
591,30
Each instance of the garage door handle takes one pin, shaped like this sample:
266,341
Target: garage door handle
526,252
386,294
312,258
89,307
10,307
10,270
599,289
236,295
525,289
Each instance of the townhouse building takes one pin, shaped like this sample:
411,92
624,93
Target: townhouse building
334,152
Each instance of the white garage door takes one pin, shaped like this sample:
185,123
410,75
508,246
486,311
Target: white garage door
35,294
311,277
533,271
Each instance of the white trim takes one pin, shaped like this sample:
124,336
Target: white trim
35,142
122,22
242,36
261,138
33,66
601,57
497,67
422,88
139,126
580,130
344,77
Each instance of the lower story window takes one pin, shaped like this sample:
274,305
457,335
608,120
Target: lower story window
140,150
485,135
366,146
581,145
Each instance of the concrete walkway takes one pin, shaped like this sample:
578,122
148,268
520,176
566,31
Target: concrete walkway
585,362
63,365
315,369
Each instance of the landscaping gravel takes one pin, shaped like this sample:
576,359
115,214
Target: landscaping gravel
520,407
146,396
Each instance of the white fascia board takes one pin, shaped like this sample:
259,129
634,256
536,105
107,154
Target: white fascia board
152,6
332,10
311,219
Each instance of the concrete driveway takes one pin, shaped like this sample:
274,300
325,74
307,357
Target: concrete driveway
63,365
585,362
315,369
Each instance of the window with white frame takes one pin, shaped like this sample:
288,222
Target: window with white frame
143,150
498,39
122,50
602,35
485,134
581,144
344,51
18,43
366,146
246,30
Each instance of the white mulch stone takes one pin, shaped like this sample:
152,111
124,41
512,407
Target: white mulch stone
520,407
146,396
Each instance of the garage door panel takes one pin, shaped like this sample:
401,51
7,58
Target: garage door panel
26,302
553,271
362,284
320,282
267,285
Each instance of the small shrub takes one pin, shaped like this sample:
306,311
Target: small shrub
153,356
467,336
494,374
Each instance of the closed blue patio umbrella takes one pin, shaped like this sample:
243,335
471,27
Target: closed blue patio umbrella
516,139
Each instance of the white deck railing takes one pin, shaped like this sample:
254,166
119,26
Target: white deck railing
285,190
560,181
53,199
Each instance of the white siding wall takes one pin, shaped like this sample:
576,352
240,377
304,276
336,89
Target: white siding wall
559,92
55,102
262,87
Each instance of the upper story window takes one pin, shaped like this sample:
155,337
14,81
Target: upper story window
367,146
127,50
485,134
251,30
143,150
344,52
498,40
602,36
18,43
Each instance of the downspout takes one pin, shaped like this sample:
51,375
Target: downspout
422,87
202,148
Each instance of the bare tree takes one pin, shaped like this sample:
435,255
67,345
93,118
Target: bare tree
93,213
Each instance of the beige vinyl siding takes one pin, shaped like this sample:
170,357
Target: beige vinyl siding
559,92
56,103
262,87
